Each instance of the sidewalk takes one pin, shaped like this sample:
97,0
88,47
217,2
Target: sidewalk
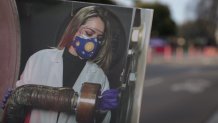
198,60
186,60
192,56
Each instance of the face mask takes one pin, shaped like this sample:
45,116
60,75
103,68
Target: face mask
86,47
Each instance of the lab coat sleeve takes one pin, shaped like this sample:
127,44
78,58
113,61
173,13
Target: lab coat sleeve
26,75
105,84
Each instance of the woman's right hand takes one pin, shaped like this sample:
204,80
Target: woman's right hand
5,98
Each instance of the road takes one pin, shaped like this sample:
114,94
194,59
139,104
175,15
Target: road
179,93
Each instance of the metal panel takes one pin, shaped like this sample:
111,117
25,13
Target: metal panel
143,39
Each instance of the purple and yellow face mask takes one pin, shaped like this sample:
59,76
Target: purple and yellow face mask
86,47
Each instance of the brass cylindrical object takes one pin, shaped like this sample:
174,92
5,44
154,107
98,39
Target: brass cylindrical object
87,103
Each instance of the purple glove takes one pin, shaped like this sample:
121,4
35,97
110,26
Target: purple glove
108,100
5,98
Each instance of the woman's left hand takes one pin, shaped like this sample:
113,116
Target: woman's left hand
109,100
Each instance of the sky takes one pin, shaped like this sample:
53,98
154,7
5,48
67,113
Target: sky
181,10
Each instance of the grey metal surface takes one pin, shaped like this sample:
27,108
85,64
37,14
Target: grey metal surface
143,39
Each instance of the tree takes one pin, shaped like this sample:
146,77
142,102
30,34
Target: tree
193,32
207,15
163,25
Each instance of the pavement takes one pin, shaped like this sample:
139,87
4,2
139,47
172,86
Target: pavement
214,118
185,60
199,60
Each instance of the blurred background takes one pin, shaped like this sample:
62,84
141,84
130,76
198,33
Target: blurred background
181,83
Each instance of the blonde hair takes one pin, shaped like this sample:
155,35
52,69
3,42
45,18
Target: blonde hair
104,56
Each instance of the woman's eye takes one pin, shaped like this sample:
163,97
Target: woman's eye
89,33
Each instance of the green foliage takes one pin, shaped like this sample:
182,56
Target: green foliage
163,25
196,32
201,31
207,15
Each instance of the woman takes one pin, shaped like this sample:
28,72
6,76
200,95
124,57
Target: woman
83,55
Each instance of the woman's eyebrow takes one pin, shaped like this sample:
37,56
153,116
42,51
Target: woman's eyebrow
95,30
91,29
99,31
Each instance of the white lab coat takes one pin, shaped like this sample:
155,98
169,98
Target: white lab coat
46,68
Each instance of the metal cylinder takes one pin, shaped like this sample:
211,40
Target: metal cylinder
26,97
46,97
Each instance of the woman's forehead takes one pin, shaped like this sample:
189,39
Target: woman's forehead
95,23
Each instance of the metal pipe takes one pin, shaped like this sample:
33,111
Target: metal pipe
27,97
